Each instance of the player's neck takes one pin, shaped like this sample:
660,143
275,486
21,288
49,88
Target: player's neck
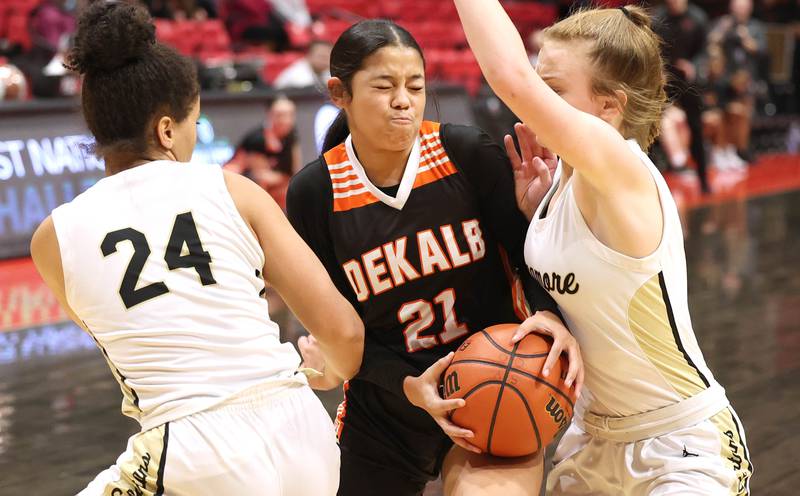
384,168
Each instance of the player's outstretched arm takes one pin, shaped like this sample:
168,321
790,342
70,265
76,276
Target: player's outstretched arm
301,280
584,141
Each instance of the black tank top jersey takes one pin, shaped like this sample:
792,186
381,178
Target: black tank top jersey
424,263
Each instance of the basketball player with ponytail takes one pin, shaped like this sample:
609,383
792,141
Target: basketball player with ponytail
411,218
164,263
653,420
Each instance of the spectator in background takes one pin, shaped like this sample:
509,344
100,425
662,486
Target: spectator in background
725,118
683,28
742,40
313,70
12,82
293,11
270,154
255,22
198,10
50,23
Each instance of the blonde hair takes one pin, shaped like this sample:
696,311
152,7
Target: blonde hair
625,54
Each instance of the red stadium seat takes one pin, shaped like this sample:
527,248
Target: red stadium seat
17,32
213,36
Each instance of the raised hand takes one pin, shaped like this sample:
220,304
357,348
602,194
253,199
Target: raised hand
533,172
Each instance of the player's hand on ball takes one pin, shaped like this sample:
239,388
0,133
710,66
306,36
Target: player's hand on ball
547,323
314,359
533,172
423,392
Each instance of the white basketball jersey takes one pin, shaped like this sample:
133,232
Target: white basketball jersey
165,274
630,315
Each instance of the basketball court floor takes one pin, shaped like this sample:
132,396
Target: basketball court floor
60,422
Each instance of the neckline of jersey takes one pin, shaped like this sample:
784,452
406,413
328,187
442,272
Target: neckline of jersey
406,183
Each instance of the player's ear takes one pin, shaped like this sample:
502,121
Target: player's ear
165,132
338,92
612,106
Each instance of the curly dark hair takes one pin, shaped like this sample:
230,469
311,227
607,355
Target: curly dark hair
129,78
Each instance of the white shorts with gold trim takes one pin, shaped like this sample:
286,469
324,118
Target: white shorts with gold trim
261,442
706,459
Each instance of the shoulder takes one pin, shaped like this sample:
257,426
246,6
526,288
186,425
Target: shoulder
475,153
311,184
469,144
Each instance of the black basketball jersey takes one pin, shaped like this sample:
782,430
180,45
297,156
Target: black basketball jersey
423,263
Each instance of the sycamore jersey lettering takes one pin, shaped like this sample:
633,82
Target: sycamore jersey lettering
165,274
630,315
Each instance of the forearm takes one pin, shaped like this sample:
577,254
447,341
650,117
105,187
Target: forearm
580,139
342,344
385,368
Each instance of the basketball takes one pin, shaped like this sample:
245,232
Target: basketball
510,407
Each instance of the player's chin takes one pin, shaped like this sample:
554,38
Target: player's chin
401,138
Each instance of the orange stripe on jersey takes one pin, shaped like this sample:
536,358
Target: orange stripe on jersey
518,298
355,201
434,164
429,127
341,413
338,180
336,155
341,165
347,189
434,174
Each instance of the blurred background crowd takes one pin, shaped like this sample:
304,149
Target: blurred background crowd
733,66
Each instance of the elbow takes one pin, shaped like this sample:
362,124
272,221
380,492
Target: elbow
352,338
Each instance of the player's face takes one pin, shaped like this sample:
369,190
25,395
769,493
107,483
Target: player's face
282,117
186,134
388,98
565,67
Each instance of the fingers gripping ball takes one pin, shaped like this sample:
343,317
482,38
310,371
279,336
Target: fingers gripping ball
510,407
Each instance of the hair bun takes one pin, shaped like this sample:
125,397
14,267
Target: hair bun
111,35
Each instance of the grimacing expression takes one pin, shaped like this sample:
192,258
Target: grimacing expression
387,99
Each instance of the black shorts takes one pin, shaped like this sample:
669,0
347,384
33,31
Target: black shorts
388,446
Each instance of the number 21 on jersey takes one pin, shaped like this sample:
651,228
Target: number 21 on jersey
420,315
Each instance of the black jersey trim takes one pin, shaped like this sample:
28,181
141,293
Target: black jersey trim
111,365
674,327
162,463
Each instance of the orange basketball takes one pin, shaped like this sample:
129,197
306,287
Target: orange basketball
510,407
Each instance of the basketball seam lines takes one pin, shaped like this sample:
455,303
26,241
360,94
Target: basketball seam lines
520,355
500,393
530,415
521,372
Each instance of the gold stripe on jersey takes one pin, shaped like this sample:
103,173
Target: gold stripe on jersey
142,473
651,322
733,450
